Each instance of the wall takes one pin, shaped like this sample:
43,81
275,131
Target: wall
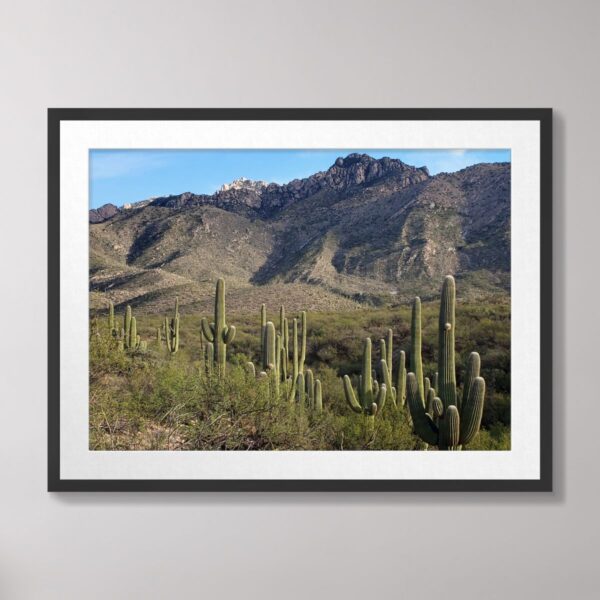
261,53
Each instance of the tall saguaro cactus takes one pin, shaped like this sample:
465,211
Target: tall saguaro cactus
401,381
385,366
451,421
172,330
219,333
298,354
127,325
371,397
278,360
416,361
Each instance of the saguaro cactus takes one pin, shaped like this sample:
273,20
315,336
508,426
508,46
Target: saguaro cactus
219,333
416,361
318,406
385,366
134,342
271,354
451,421
371,397
127,325
401,381
298,355
309,391
111,319
172,330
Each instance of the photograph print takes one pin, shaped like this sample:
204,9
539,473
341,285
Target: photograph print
300,299
347,299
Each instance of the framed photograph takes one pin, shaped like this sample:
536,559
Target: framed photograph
300,300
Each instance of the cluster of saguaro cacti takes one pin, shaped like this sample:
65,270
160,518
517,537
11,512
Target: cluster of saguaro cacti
172,330
371,395
308,391
397,393
284,365
128,338
218,333
439,416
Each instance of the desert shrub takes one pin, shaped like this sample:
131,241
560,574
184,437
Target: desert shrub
153,400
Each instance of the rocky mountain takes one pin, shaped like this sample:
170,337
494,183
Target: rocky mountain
97,215
364,231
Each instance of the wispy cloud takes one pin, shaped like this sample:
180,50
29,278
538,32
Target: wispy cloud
111,164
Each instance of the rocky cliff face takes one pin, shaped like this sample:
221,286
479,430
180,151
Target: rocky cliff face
364,230
97,215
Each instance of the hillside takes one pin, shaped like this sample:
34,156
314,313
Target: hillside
364,231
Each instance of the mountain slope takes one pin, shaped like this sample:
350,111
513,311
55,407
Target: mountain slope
364,230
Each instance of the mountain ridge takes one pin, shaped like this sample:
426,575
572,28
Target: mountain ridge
366,230
267,198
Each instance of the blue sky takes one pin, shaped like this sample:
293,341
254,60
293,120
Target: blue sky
122,176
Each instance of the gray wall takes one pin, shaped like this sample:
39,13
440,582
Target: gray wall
261,53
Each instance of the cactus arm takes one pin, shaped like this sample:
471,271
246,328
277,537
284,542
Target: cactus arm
251,369
127,325
426,387
310,387
382,349
318,397
281,319
389,356
450,429
365,392
350,396
416,363
283,364
387,380
380,399
286,337
300,388
133,333
303,344
423,425
429,402
269,359
263,315
295,368
437,409
207,330
167,333
229,334
472,369
401,382
446,362
472,411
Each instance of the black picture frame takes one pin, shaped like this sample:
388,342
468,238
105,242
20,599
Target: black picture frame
58,115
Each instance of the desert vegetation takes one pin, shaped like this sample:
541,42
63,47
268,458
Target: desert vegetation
305,381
